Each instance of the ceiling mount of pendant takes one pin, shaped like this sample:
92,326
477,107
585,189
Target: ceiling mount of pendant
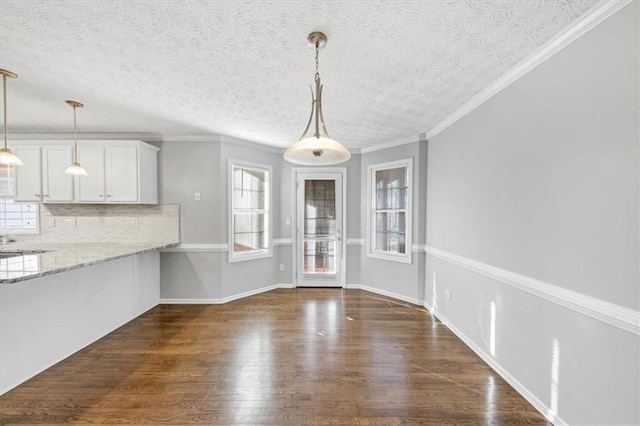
317,37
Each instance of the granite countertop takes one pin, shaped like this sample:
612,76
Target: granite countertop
45,258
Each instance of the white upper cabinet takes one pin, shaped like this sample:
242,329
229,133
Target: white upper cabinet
57,187
29,176
91,188
122,174
118,172
42,178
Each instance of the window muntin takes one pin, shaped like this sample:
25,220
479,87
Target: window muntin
15,217
250,211
390,221
320,227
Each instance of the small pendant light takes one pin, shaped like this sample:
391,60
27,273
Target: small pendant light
7,157
75,168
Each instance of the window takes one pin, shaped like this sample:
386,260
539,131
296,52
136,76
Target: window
15,218
250,221
390,218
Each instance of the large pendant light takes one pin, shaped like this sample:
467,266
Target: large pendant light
7,157
318,149
75,168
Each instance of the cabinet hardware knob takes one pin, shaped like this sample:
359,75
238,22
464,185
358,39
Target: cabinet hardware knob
46,195
101,195
109,196
36,195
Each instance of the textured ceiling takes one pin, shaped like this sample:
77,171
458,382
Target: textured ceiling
391,69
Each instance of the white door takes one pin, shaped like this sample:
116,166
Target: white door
319,244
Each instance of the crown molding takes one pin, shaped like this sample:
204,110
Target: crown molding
147,137
176,137
253,145
395,144
553,46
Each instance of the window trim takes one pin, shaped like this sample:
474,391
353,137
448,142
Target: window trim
255,254
8,178
23,231
371,183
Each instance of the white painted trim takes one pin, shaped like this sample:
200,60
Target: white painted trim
356,242
369,149
619,316
519,387
198,248
190,301
175,137
384,293
418,248
553,46
268,170
224,299
146,137
264,147
297,214
282,242
371,203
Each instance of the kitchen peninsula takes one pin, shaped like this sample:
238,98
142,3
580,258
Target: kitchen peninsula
89,271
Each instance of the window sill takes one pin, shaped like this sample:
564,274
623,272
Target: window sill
262,254
398,258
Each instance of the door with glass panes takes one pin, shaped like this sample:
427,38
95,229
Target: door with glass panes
319,230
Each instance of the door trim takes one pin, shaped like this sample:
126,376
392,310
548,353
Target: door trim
294,217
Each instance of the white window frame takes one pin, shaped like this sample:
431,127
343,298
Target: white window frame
7,194
371,216
254,254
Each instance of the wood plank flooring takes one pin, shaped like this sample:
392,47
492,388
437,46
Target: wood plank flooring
302,357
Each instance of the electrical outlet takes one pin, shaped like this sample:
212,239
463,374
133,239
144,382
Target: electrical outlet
196,196
447,295
287,221
135,222
281,267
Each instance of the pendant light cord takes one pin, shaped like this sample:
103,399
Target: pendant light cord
318,106
4,108
75,136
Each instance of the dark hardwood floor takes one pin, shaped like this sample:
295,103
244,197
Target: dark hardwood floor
305,356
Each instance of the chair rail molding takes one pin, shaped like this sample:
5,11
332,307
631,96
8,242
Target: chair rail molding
619,316
198,248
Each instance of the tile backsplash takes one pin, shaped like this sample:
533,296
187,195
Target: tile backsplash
108,223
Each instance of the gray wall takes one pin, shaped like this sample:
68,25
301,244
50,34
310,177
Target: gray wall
186,168
247,276
543,181
206,274
400,279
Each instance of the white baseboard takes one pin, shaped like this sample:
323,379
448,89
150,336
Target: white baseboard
384,293
224,299
519,387
619,316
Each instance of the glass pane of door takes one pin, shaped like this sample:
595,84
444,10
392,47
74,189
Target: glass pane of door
319,239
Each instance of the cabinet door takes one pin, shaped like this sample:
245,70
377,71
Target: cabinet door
57,186
29,176
91,188
122,174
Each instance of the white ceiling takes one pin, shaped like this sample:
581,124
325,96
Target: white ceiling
391,69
